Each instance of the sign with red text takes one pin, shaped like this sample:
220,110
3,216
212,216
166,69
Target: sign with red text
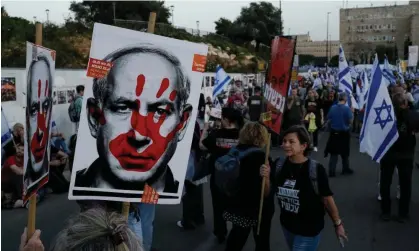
136,124
40,69
276,87
98,68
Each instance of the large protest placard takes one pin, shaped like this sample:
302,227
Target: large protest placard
40,67
276,87
138,117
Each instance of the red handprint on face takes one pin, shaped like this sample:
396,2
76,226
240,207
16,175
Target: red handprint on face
142,146
40,137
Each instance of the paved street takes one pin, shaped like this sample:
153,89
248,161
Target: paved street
355,196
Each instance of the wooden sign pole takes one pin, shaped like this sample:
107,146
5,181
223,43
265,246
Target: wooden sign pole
151,25
32,199
262,193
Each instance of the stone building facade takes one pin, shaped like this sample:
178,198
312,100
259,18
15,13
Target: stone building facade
363,29
316,48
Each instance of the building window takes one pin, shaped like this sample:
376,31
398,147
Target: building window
370,27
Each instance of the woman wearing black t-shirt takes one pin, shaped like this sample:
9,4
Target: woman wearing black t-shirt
303,205
218,143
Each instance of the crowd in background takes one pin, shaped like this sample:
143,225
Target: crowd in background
229,126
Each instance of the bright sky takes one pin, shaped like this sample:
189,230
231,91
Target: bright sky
299,17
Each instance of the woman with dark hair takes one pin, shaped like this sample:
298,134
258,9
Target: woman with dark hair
218,143
303,193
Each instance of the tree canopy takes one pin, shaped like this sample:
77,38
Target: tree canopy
259,21
72,39
88,12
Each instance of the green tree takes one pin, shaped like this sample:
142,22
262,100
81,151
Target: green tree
260,22
305,59
89,12
223,26
389,51
15,31
334,61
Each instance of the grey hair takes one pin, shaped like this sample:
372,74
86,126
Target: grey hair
17,126
94,230
342,96
102,87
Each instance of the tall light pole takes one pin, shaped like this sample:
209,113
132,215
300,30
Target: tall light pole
197,26
114,15
330,47
327,39
172,8
47,11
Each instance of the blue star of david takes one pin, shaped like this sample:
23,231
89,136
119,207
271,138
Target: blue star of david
378,110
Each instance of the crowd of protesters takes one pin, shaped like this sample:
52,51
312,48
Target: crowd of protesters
229,126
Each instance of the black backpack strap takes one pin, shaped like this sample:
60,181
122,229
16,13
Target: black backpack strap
313,170
279,163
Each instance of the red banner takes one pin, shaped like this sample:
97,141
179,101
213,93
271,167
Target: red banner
276,87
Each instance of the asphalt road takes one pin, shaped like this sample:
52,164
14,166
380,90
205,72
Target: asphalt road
356,197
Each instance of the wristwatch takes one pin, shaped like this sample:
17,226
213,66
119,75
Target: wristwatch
337,223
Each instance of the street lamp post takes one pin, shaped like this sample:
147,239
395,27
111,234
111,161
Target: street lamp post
327,39
197,26
47,11
114,12
172,8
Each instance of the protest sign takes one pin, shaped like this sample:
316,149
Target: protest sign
276,87
40,67
136,130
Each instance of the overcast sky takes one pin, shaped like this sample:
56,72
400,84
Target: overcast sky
299,16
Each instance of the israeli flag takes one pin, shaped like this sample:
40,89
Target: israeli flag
379,131
388,73
317,83
345,79
221,81
6,133
362,91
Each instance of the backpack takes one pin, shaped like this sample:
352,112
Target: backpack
72,111
227,170
313,165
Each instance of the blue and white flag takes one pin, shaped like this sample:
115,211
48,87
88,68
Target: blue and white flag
317,83
221,81
345,79
362,91
379,130
388,73
6,133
